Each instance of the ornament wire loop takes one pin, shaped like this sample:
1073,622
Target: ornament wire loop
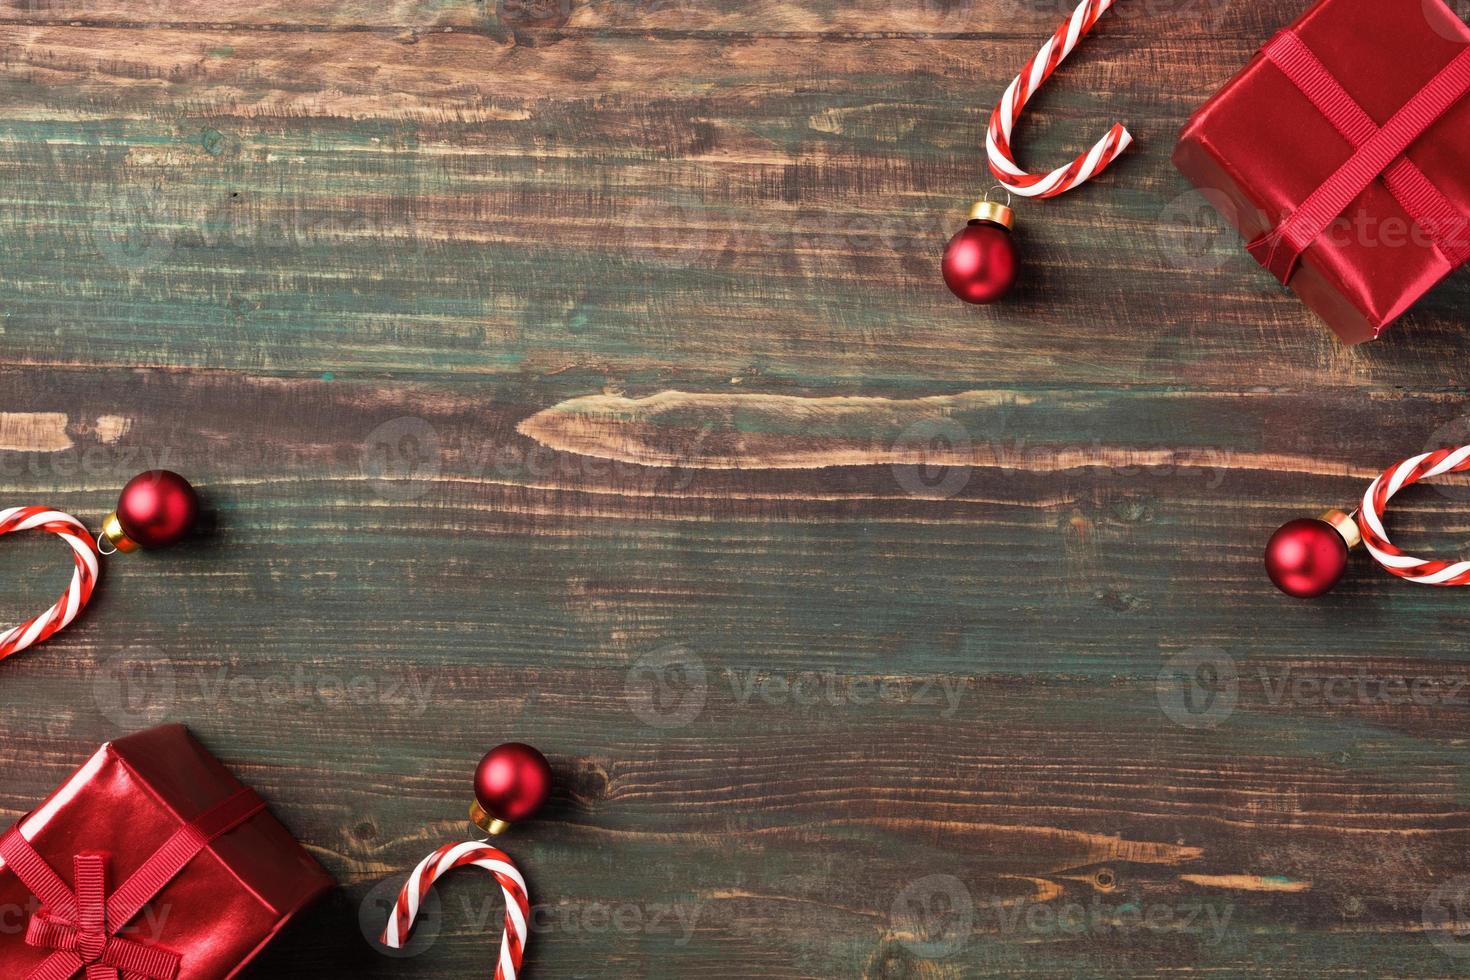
103,544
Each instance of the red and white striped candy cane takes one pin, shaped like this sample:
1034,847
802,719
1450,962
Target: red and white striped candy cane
1008,110
446,859
1425,571
83,580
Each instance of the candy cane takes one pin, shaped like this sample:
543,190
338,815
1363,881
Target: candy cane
446,859
1008,110
1425,571
83,579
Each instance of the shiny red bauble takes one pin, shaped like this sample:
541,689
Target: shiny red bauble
980,262
512,782
156,509
1306,557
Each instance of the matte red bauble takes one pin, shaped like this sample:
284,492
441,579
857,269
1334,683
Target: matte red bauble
980,262
156,509
1306,557
512,782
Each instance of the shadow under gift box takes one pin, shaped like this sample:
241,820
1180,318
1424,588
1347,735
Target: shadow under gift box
136,797
1262,146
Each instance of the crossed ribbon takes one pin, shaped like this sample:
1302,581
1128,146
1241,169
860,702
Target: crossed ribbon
1377,152
81,923
78,930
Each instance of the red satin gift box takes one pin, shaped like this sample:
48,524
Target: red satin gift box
1341,154
153,861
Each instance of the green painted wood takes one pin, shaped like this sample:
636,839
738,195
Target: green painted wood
581,375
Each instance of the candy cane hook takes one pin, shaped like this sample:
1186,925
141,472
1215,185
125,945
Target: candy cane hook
446,859
1008,110
1306,557
1425,571
156,509
83,579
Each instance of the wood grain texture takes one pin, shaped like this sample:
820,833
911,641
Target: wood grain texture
579,373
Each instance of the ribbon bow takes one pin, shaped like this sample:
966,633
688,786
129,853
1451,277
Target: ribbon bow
84,938
82,925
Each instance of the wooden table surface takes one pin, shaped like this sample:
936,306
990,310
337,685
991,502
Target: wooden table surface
580,374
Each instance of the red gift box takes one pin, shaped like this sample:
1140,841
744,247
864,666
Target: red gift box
1342,154
152,861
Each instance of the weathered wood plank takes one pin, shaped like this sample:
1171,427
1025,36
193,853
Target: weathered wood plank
188,230
1044,504
272,15
552,20
581,375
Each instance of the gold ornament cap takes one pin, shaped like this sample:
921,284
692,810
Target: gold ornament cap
112,530
995,212
490,825
1345,525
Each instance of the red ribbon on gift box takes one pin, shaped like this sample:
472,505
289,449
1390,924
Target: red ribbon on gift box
81,923
1377,151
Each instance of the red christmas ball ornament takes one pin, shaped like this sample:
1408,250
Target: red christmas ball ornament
1307,556
980,262
512,782
156,509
